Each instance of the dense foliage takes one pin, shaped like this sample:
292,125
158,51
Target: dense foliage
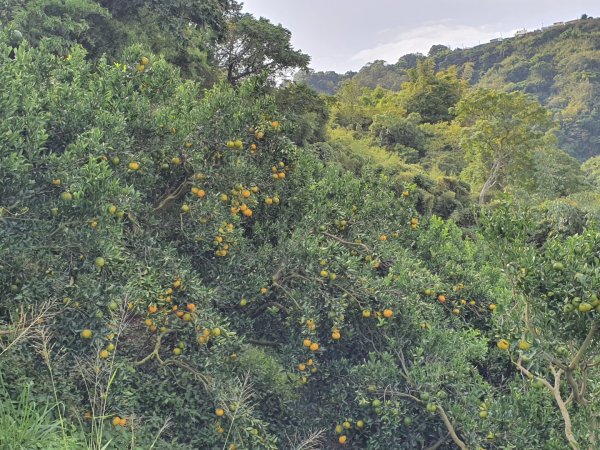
255,267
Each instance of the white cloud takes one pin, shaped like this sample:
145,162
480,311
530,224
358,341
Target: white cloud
421,39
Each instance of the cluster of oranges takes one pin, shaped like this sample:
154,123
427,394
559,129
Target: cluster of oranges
386,313
185,313
119,421
274,200
204,334
307,369
235,144
87,334
143,63
312,346
344,428
243,198
223,240
279,171
325,273
457,305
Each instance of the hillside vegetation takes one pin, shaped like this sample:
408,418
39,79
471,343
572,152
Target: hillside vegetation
192,257
558,65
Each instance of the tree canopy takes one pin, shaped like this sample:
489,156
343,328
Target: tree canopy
501,133
256,45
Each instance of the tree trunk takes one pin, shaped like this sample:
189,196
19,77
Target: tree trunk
491,181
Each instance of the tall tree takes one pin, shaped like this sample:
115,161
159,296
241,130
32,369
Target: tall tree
501,131
255,45
432,95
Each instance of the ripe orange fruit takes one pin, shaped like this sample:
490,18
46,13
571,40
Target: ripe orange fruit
191,307
86,334
116,421
246,193
247,212
309,362
307,342
441,298
152,309
104,354
253,147
133,166
383,237
301,367
314,347
269,201
342,439
503,344
123,422
263,290
220,412
281,175
148,322
387,313
201,193
335,335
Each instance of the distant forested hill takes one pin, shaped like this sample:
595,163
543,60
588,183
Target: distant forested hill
560,65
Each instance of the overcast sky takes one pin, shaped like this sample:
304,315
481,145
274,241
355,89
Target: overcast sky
343,35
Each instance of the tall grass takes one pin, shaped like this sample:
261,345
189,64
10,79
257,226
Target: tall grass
26,424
